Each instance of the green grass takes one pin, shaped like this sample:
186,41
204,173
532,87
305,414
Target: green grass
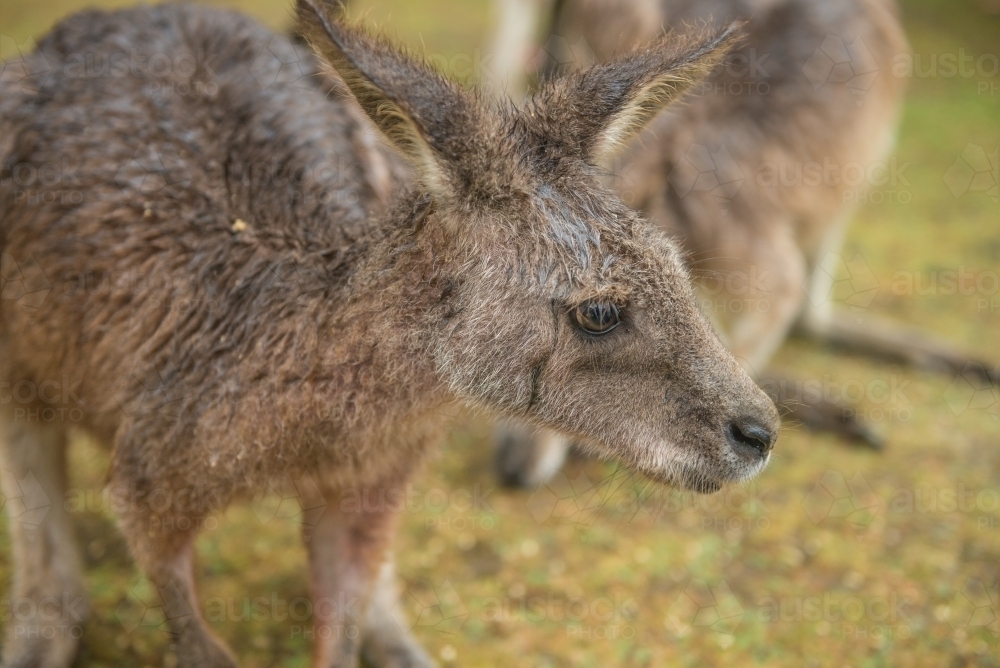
604,570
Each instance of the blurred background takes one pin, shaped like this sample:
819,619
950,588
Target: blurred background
834,556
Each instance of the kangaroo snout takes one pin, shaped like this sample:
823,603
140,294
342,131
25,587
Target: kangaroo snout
750,431
741,426
751,437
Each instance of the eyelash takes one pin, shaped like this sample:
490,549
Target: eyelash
606,315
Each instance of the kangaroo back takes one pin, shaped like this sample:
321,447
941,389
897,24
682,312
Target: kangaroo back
151,140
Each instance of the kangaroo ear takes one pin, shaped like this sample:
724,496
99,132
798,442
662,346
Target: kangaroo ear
597,110
426,116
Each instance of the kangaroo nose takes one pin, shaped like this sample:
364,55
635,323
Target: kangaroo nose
749,437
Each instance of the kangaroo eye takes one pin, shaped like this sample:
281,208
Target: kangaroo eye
596,317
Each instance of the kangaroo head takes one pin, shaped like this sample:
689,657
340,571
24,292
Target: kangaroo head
566,308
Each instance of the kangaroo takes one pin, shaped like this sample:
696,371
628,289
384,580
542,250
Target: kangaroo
811,85
251,322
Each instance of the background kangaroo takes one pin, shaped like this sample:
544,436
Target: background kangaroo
750,175
279,329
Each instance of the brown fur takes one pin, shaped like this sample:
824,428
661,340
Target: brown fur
234,298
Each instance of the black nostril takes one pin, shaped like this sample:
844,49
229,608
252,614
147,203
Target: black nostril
746,433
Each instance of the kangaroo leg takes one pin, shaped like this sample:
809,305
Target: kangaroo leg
387,641
877,337
816,413
348,546
887,340
48,605
527,457
165,553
